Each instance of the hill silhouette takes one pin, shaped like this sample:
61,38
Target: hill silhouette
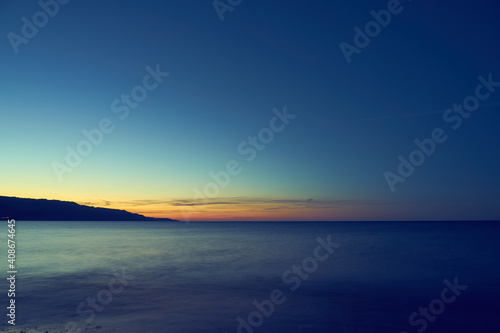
55,210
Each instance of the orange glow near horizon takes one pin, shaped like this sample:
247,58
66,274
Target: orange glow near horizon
253,211
261,211
246,209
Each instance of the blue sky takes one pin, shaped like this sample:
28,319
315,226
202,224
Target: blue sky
353,119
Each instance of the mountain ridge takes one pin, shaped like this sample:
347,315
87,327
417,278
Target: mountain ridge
57,210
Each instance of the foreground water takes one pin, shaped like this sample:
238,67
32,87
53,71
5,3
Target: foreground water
224,277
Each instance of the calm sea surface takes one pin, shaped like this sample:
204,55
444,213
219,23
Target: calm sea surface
220,277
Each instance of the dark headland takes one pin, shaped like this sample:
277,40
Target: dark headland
55,210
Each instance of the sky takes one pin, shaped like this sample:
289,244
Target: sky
254,110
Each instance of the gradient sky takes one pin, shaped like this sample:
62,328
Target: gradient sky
352,120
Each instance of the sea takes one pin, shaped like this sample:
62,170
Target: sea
247,277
